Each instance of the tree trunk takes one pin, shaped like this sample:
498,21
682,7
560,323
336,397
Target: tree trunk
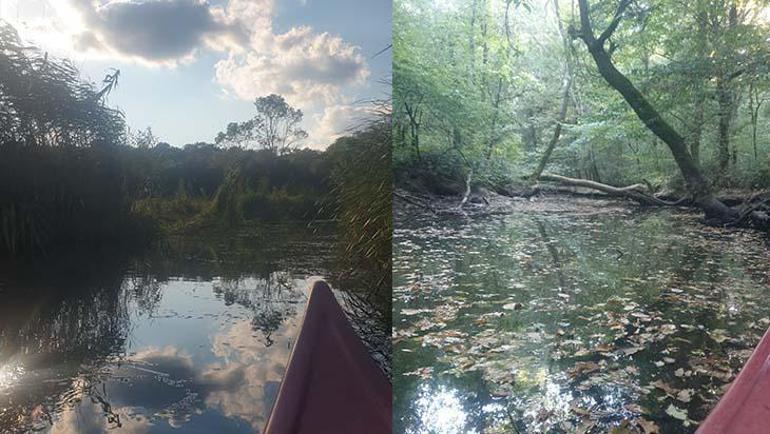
724,100
494,137
565,96
697,128
556,131
754,105
467,189
635,192
696,182
528,132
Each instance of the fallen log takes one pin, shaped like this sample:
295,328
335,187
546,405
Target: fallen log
635,192
753,215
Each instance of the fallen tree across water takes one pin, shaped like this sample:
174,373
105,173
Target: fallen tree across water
753,212
638,192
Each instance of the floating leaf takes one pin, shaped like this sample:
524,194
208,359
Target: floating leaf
632,350
719,335
584,368
647,426
676,412
684,395
664,387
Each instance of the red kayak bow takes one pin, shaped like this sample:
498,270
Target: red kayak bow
331,384
745,408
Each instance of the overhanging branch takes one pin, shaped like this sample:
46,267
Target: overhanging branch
622,6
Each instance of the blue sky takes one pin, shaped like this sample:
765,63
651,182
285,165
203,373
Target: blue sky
189,67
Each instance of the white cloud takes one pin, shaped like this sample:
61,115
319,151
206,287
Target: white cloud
337,120
317,72
311,70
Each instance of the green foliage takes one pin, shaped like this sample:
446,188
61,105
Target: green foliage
71,173
703,65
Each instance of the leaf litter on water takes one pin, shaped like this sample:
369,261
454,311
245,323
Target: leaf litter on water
668,333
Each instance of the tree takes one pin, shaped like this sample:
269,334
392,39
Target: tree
275,127
240,134
144,139
697,184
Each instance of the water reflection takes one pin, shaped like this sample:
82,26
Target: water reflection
194,337
571,321
439,410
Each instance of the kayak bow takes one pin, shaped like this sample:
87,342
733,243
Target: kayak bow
331,384
745,408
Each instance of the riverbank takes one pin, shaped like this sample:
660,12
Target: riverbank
549,198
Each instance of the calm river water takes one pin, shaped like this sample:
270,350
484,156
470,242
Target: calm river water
571,316
192,337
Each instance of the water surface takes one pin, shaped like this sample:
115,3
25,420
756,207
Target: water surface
571,317
192,336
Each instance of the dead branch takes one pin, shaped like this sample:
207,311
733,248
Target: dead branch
635,192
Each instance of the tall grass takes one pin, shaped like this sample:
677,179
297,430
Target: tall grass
59,179
361,189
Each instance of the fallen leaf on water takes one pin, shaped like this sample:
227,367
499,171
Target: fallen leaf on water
648,426
409,312
684,395
642,316
668,329
423,373
676,413
583,368
631,350
621,430
579,410
719,335
585,427
603,348
635,408
664,387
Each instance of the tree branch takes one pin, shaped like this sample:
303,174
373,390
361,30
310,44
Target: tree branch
615,21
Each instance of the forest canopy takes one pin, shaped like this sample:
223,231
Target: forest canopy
507,91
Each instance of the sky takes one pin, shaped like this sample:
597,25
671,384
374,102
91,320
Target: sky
188,67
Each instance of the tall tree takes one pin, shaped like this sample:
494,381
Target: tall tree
697,184
275,127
